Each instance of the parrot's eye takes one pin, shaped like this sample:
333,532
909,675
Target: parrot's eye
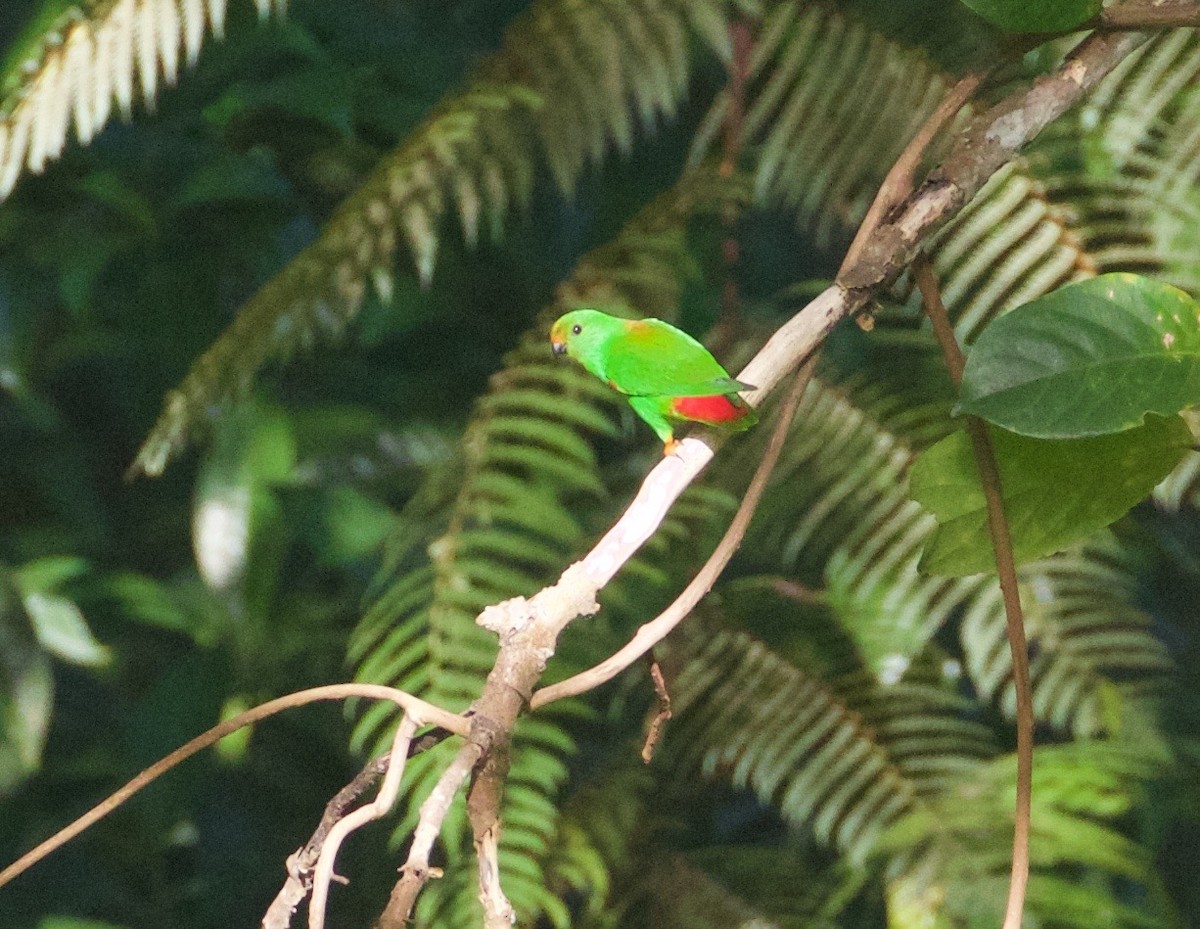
576,329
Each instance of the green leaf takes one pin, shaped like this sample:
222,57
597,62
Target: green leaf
1035,15
1055,491
1090,358
57,621
62,630
26,692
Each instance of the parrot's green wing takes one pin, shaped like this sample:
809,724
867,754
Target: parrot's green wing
651,358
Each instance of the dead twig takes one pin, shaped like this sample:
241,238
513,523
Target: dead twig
419,708
302,862
661,717
364,814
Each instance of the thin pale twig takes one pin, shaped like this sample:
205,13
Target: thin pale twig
407,702
364,814
300,864
657,629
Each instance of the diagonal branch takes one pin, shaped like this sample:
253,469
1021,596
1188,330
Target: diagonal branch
1153,15
653,632
414,706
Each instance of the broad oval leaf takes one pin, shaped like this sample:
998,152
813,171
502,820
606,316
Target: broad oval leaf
1090,358
1036,15
1055,491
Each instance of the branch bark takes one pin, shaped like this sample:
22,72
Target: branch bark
1149,16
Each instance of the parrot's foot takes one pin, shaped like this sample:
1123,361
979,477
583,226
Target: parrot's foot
671,446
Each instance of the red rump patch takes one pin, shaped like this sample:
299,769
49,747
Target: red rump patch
718,409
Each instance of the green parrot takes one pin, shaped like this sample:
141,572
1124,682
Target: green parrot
667,375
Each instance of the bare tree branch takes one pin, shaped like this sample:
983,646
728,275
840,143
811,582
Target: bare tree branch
302,862
1148,16
418,708
360,817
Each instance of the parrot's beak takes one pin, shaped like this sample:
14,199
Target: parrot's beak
558,339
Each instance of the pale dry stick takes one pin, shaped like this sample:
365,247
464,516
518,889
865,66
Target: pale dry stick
405,701
416,870
653,632
300,863
376,809
989,473
498,913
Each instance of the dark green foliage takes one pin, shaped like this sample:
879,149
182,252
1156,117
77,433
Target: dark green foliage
1048,496
841,749
563,88
1035,16
1047,369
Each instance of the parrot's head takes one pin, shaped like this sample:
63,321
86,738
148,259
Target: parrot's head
582,333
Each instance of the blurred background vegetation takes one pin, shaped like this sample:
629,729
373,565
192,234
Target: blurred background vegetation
841,753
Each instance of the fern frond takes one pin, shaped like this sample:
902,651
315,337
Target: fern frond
1092,648
602,832
844,770
1009,245
1081,863
838,514
563,88
80,60
512,522
852,531
833,102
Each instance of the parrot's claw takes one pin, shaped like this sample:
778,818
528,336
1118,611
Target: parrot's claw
671,446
